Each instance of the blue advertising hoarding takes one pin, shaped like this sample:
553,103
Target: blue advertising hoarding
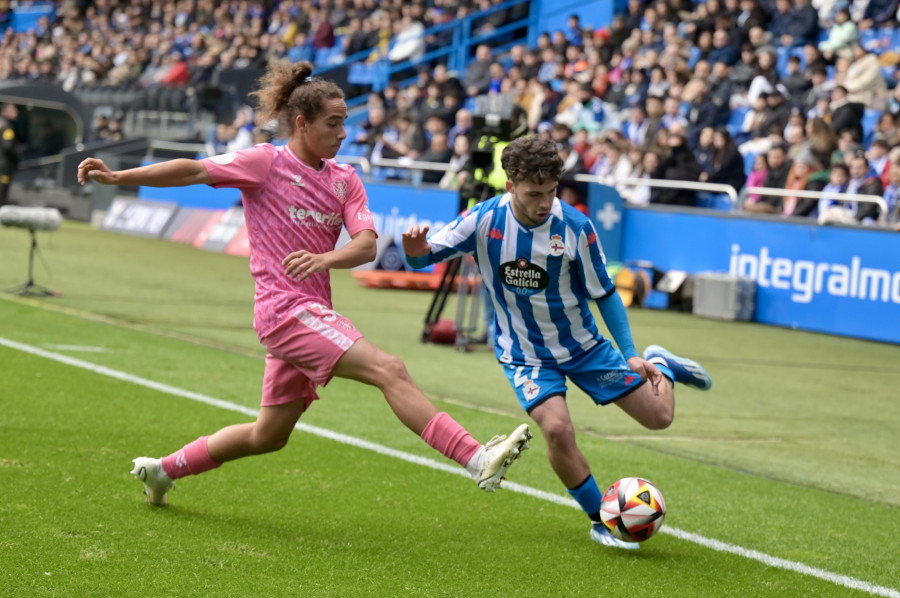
836,280
396,207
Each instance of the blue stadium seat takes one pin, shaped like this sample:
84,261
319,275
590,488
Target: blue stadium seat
713,201
869,120
749,159
736,120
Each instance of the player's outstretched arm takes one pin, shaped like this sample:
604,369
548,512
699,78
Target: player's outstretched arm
172,173
415,241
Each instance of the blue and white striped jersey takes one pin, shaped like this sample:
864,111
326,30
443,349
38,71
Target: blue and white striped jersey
541,279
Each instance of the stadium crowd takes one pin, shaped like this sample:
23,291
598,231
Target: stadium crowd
797,95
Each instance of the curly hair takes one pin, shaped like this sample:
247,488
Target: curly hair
288,90
533,159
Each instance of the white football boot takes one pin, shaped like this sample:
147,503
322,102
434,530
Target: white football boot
600,534
156,482
489,465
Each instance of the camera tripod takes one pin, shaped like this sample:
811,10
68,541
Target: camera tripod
29,287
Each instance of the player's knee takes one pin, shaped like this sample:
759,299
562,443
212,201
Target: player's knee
558,433
269,442
660,419
390,369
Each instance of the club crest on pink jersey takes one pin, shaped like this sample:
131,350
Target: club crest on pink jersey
340,189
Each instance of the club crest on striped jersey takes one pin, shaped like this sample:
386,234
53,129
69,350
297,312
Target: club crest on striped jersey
523,277
556,247
340,189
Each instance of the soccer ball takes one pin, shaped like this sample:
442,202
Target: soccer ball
633,509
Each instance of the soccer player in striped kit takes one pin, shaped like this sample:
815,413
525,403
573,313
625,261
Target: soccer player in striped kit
297,196
542,263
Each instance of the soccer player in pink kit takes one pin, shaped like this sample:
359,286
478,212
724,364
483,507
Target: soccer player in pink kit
297,196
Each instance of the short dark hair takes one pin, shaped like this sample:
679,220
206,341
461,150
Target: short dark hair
532,159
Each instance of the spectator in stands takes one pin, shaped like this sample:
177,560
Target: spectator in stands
301,49
408,42
887,130
803,168
848,143
721,89
864,82
218,138
778,112
358,37
678,165
448,81
745,68
723,49
703,151
635,129
766,77
703,111
615,164
879,159
864,181
779,166
756,178
878,13
841,35
458,174
830,210
437,152
751,15
794,80
478,72
307,342
639,195
892,188
802,25
727,164
846,115
322,29
821,140
569,190
781,22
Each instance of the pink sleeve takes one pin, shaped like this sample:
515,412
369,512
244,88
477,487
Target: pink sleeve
357,216
245,169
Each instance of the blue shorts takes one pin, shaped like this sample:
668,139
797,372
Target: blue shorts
601,372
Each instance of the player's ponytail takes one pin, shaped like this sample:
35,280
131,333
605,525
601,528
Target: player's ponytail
287,90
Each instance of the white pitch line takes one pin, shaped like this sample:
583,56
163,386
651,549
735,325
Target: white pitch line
768,560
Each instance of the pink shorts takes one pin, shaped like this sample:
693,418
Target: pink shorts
303,351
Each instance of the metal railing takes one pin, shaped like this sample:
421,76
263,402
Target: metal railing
885,218
727,190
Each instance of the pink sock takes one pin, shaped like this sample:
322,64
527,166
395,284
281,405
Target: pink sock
192,459
449,438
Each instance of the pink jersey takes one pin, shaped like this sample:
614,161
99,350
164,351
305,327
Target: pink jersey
289,206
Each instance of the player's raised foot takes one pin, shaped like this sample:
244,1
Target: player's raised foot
489,465
687,371
600,534
156,482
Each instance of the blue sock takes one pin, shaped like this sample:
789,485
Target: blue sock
588,495
666,371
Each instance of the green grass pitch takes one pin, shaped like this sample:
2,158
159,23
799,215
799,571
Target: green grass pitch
783,480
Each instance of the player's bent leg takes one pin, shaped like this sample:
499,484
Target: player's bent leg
367,363
486,464
684,370
654,412
269,433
